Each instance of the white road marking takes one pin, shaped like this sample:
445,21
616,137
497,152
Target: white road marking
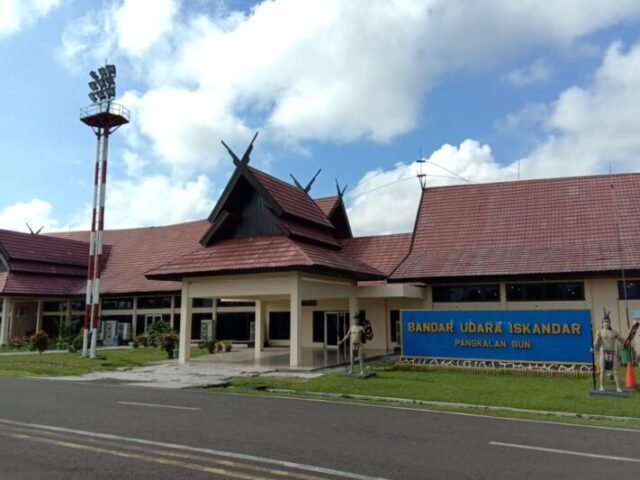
157,405
440,412
566,452
175,446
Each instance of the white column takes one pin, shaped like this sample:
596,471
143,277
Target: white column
295,342
4,327
259,332
172,312
39,316
185,325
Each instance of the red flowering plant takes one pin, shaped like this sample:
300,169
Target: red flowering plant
19,342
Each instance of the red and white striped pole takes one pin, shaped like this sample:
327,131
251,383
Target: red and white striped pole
99,243
88,311
104,117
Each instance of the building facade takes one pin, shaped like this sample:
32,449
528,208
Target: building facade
273,267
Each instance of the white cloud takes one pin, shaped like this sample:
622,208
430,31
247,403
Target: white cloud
37,213
396,192
587,129
316,70
16,14
157,200
538,72
594,126
140,25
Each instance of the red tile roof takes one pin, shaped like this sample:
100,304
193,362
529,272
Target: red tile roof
327,204
42,248
19,283
265,253
293,200
137,250
548,226
315,234
384,252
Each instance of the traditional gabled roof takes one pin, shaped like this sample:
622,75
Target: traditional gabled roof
293,200
43,249
327,204
41,265
551,226
334,209
384,252
254,203
136,250
261,254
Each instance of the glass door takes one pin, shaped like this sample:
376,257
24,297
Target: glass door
336,325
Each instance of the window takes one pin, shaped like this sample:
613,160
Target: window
54,306
318,327
177,301
202,303
117,303
279,325
546,292
224,303
77,305
466,293
145,303
633,289
234,326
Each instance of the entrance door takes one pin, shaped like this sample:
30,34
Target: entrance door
336,326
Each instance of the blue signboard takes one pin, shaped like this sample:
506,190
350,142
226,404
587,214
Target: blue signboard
524,335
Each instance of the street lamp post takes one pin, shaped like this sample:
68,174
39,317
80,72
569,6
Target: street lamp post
104,117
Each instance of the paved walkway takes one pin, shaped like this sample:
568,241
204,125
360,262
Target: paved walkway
204,371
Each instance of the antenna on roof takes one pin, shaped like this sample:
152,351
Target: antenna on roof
31,230
340,192
422,177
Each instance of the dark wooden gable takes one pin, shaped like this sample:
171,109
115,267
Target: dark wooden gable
340,220
243,211
255,204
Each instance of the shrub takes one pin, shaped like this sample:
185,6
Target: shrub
168,342
155,330
76,343
141,340
210,345
227,346
39,341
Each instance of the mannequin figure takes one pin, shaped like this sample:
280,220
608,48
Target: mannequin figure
607,341
355,334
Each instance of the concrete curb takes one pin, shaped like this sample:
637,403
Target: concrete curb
470,406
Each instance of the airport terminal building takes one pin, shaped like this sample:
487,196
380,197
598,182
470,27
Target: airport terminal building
272,266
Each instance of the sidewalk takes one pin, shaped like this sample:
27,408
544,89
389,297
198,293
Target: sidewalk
204,371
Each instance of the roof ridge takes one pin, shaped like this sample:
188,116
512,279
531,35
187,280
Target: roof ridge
536,180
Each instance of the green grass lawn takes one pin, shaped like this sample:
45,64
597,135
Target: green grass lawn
558,393
59,364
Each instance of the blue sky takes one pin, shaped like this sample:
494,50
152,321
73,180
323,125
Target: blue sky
485,91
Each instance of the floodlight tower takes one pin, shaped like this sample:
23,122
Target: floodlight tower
104,117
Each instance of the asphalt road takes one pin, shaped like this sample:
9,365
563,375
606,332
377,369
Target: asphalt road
64,430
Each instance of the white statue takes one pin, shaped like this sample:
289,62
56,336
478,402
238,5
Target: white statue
356,336
607,341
